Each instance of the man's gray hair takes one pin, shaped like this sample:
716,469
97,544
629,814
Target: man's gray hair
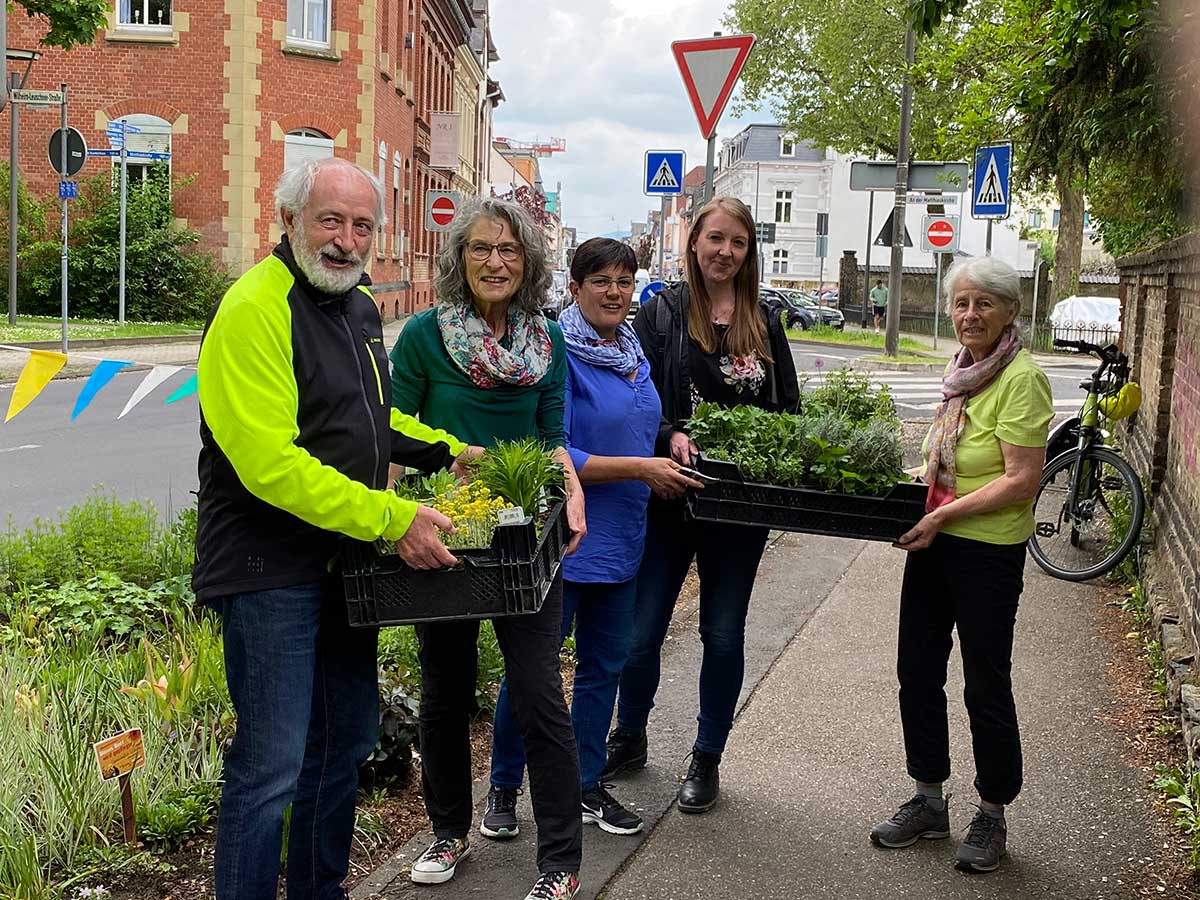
988,274
450,283
295,186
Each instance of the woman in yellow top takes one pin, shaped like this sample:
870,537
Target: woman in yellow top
984,456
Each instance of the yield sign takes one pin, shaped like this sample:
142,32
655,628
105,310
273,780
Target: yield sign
710,68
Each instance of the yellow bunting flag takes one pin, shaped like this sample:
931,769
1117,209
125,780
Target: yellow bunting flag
42,366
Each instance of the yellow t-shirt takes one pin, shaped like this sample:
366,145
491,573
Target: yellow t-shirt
1015,408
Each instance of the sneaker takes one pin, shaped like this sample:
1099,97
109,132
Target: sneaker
702,786
913,821
436,865
601,808
984,846
554,886
500,817
626,752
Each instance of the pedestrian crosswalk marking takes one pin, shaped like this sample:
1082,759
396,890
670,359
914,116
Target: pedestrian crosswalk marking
991,190
664,177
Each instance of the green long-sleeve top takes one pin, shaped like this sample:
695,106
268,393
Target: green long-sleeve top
426,383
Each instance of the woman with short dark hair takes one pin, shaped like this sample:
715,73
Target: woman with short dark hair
486,359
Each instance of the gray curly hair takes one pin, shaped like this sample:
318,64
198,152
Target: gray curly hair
450,282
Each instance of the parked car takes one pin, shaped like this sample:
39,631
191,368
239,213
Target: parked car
778,301
830,317
641,278
558,297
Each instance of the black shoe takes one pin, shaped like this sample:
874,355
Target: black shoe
601,808
626,753
702,786
500,817
984,846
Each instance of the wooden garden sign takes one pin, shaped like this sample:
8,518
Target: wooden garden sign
117,757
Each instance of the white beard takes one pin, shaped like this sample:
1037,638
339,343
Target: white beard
330,281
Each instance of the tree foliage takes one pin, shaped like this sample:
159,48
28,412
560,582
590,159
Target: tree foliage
70,22
166,278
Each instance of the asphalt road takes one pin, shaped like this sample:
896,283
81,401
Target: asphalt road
917,393
48,462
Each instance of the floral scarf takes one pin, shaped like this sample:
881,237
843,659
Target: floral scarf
960,383
482,358
623,354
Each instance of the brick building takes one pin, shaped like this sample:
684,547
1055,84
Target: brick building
236,90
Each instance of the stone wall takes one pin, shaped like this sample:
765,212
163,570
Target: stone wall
1160,316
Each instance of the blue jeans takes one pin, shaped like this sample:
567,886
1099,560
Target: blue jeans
603,617
304,686
727,558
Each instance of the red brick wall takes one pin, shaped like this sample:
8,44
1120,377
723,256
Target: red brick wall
1160,320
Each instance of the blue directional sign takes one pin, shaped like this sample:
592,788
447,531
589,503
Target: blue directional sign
991,197
92,152
131,154
664,173
68,190
650,290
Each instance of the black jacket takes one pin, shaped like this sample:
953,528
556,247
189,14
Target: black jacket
297,430
661,326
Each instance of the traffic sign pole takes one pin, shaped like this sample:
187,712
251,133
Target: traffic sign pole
662,237
937,295
65,170
13,213
124,206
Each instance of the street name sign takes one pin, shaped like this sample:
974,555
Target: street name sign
440,209
990,194
77,152
922,199
710,68
664,173
37,98
939,234
880,175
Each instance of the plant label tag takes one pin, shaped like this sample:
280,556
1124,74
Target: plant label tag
514,515
120,754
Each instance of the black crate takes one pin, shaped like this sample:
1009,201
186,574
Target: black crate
732,500
510,578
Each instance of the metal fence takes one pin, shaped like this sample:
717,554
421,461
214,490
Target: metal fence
1042,337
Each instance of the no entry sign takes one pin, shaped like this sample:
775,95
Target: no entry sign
939,234
440,209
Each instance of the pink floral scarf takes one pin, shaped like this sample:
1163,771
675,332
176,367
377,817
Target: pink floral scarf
959,384
482,358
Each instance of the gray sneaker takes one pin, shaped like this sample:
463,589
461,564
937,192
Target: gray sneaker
913,821
984,846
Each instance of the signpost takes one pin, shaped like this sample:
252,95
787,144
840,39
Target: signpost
939,234
991,197
650,290
36,98
67,152
822,246
710,68
440,209
117,757
663,177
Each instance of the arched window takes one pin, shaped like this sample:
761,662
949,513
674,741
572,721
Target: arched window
303,144
152,136
397,231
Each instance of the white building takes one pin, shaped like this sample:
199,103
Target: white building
789,183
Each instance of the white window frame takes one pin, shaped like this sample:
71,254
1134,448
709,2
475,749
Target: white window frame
397,206
302,38
381,233
305,143
125,10
783,207
787,142
1035,218
779,262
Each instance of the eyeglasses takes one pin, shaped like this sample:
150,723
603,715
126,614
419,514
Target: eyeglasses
603,282
479,251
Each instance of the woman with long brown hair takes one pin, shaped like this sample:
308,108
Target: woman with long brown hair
707,339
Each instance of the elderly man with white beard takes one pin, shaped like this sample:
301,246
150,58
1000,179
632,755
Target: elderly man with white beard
297,431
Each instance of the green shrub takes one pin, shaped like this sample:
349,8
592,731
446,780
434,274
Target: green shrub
177,815
166,278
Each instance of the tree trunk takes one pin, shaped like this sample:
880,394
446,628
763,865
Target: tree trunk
1070,235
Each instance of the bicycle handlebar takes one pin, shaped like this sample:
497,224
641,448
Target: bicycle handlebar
1109,353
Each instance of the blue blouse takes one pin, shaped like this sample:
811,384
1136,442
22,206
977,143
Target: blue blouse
607,414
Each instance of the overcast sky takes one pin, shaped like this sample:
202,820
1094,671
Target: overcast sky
600,73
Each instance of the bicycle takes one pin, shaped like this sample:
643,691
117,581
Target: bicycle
1089,507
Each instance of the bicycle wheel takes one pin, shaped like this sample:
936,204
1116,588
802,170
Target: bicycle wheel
1082,537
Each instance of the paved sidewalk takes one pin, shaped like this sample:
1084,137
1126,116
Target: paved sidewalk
816,758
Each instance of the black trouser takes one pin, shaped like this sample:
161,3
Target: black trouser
530,646
974,586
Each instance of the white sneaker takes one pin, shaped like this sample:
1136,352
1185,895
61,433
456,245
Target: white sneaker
436,865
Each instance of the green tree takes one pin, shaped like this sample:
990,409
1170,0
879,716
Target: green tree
166,278
70,22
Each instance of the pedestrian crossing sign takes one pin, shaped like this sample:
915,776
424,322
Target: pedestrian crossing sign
991,197
664,173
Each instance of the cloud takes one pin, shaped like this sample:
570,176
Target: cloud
601,74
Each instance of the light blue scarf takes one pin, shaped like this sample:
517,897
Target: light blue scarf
624,354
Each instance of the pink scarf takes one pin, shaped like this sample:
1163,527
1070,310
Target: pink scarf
960,383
